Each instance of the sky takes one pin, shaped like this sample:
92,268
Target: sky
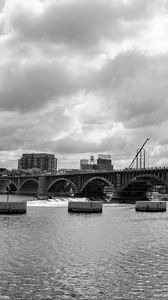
81,77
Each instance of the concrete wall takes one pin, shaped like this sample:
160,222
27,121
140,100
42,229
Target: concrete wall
85,206
150,206
13,207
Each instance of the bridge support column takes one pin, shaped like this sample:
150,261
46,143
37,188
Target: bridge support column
42,188
118,181
3,186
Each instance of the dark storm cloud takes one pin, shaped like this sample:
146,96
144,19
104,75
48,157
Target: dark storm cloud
30,85
79,24
69,81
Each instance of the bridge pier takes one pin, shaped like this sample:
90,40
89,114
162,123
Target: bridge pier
3,186
42,187
118,181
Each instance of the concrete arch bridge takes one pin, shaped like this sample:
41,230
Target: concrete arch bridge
121,182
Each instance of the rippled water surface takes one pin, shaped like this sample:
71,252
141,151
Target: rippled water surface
49,253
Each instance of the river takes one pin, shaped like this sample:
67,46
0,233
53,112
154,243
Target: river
49,253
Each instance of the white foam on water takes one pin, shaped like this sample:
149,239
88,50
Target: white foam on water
48,203
58,202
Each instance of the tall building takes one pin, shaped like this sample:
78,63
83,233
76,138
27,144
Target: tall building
43,161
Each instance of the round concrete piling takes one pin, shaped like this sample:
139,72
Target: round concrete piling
85,206
150,206
13,207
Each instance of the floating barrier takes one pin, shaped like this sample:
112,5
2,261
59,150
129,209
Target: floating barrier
13,207
85,206
150,206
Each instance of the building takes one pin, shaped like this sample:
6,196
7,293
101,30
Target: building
83,162
43,161
104,163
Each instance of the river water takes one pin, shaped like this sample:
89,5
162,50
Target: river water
49,253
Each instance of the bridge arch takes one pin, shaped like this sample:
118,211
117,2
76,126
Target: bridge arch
96,185
149,178
154,178
5,183
12,186
62,185
29,187
140,185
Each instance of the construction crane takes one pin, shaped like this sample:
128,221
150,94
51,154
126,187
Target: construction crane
130,166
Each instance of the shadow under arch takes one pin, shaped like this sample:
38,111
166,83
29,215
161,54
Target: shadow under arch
12,187
7,185
96,186
29,187
150,179
62,186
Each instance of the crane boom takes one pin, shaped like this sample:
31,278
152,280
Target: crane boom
138,153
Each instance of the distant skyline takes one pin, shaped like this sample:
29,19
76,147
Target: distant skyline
81,77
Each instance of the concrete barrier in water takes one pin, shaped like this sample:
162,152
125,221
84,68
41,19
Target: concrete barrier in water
150,206
13,207
85,206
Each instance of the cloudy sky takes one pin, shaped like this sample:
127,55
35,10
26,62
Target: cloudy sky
81,77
